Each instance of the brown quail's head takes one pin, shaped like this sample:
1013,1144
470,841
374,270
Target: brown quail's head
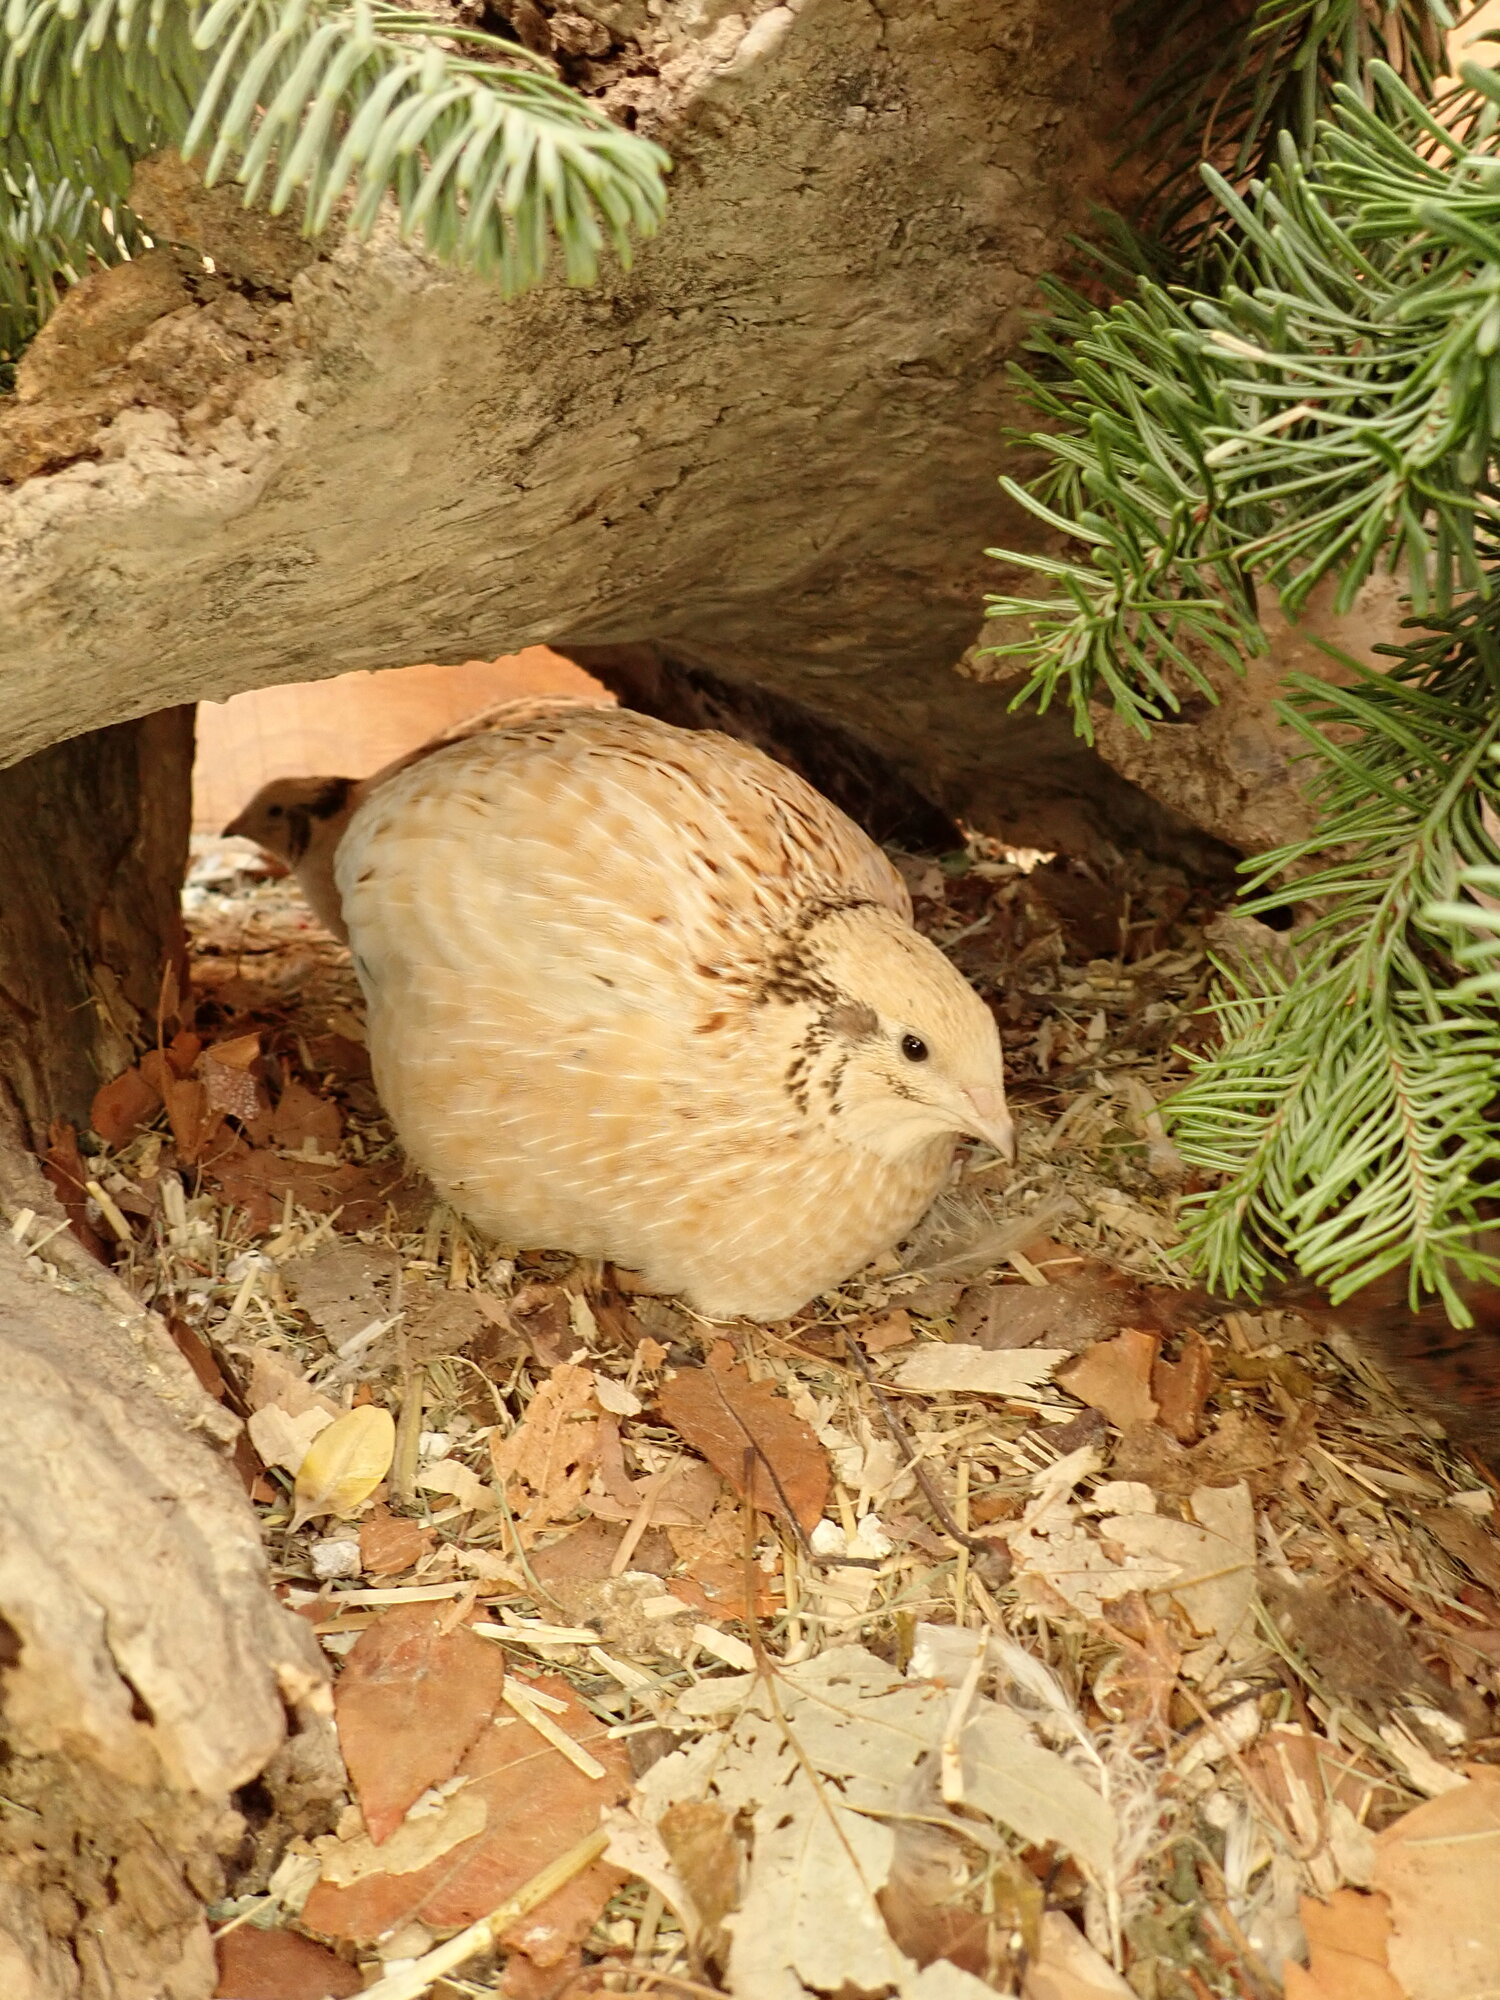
285,816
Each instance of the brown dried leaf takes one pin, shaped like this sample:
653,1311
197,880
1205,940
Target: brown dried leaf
1240,1446
193,1120
1082,1302
586,1555
1347,1939
683,1499
546,1462
66,1175
156,1067
1114,1377
122,1107
344,1288
722,1413
388,1543
1440,1866
1001,1317
935,1299
923,1906
538,1804
699,1835
239,1052
258,1181
183,1051
302,1115
894,1330
1182,1387
199,1356
279,1965
1213,1555
439,1321
411,1700
714,1556
541,1315
1137,1686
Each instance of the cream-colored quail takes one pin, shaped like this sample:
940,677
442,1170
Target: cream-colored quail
640,993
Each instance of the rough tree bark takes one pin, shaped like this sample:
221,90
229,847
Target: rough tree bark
95,836
1233,767
772,448
145,1669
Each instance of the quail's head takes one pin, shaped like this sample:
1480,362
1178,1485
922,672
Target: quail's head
899,1049
285,814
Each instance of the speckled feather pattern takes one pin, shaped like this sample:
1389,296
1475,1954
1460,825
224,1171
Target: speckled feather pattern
302,820
601,1016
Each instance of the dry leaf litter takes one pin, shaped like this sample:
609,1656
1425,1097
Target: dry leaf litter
1012,1620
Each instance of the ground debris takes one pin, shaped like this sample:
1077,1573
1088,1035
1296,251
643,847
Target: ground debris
1011,1620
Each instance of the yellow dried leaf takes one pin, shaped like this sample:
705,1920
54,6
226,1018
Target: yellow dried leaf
345,1463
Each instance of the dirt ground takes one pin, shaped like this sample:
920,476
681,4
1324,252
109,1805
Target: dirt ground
1011,1620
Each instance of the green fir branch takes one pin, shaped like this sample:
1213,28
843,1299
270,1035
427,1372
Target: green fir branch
490,160
1331,408
1322,398
51,231
1125,475
1348,1112
1473,923
1476,928
1230,81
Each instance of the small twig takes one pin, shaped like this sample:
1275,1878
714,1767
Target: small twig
950,1750
901,1438
674,1980
408,1434
541,1594
1298,1847
530,1711
1250,1962
631,1539
539,1591
423,1973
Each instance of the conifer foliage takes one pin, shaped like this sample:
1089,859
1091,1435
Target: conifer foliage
1298,379
492,161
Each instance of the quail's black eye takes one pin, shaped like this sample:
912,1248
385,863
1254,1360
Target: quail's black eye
914,1048
273,812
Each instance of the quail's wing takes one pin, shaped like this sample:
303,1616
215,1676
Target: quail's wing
602,858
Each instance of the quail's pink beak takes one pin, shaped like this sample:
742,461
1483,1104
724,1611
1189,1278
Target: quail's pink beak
992,1122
